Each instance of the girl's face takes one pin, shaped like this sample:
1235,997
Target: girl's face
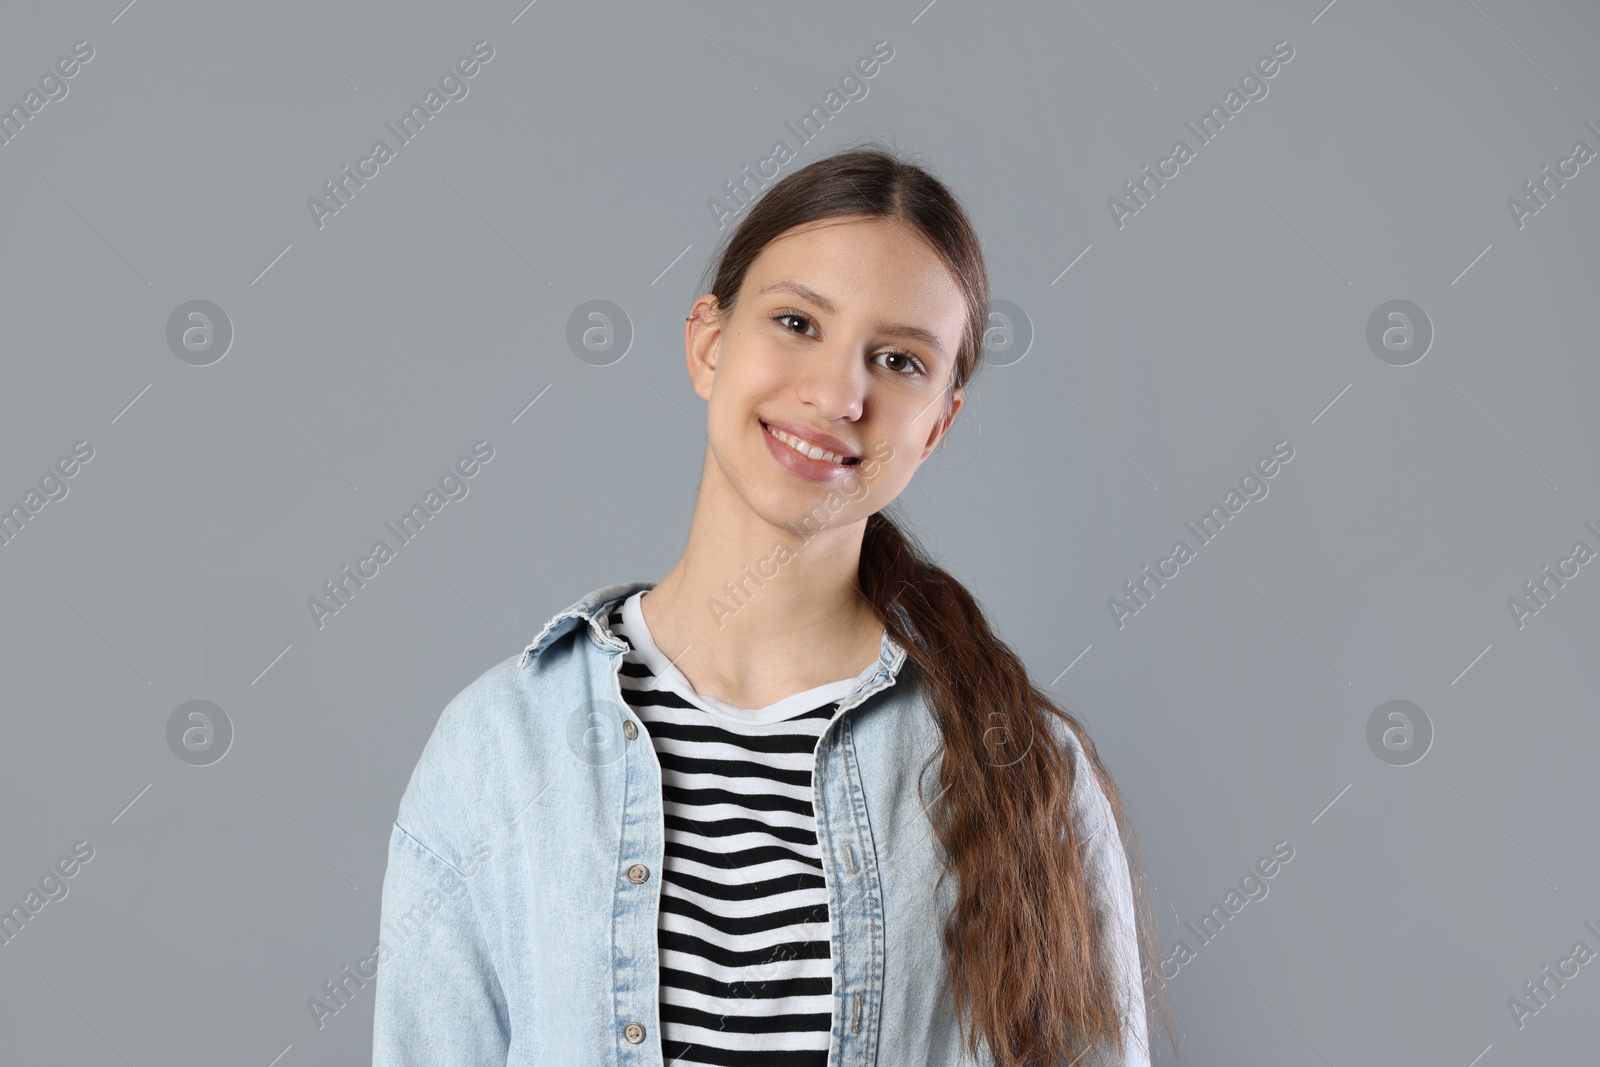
844,333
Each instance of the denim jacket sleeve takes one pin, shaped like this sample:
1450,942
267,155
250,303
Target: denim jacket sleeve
1106,861
439,997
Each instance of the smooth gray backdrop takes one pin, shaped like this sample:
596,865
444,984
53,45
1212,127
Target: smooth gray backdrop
1163,357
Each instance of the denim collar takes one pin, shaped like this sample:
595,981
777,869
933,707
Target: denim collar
595,607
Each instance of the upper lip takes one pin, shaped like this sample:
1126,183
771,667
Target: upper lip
822,440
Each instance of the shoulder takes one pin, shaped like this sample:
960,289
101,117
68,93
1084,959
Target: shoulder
469,731
1095,823
492,739
510,727
1090,806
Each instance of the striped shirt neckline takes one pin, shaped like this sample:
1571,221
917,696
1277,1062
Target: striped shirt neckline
669,677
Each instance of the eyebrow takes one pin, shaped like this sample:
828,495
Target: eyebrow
892,328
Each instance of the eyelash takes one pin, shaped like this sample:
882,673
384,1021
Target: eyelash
920,368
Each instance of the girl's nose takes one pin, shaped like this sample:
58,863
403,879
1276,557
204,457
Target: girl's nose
834,386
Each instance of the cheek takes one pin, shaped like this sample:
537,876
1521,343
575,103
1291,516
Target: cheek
891,466
748,378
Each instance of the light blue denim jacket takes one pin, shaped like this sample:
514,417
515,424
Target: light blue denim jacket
519,915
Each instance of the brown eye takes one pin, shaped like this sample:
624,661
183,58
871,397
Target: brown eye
782,315
914,365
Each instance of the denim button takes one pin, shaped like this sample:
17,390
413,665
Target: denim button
629,730
638,873
633,1032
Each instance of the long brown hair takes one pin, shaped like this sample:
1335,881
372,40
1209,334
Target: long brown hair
1028,960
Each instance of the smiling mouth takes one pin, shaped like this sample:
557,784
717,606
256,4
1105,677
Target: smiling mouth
809,450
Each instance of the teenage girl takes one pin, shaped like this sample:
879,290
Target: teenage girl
752,830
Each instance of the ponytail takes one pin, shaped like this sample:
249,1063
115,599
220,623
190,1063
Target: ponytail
1030,962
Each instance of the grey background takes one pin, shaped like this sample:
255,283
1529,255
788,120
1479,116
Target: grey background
1228,314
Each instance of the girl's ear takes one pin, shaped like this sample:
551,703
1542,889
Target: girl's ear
702,336
942,427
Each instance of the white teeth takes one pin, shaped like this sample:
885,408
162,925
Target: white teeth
809,451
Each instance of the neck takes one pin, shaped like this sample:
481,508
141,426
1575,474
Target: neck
754,612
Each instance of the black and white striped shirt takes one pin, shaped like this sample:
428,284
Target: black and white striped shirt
746,970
